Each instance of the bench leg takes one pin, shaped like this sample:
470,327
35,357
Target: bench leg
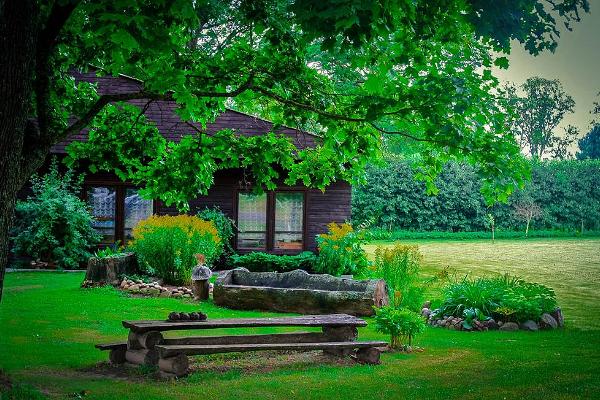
145,340
117,356
340,333
369,355
338,352
142,357
178,365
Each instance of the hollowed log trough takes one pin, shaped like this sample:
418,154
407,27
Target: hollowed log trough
300,292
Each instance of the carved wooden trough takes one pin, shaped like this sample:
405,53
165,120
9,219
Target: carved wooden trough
298,291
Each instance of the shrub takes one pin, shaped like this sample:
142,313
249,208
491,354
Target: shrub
340,251
224,225
506,298
399,267
54,224
264,262
165,245
401,324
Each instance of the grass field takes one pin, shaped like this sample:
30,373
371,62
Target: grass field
570,266
48,327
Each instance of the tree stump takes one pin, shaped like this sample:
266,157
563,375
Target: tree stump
177,365
200,289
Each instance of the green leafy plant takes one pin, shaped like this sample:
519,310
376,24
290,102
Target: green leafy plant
471,315
264,262
165,245
225,226
54,224
114,250
399,267
341,252
507,298
401,324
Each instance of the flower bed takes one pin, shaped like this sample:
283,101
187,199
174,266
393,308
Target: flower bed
505,303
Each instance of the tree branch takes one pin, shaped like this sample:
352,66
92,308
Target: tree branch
415,138
142,94
46,42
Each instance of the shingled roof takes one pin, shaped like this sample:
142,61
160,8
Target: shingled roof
162,113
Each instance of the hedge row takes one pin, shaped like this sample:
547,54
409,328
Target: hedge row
567,192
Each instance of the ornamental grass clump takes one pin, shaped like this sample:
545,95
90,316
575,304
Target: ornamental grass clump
340,251
400,266
165,245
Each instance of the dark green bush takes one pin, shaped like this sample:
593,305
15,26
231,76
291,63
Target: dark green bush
506,298
568,192
264,262
54,224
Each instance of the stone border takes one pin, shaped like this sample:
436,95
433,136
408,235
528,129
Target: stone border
547,321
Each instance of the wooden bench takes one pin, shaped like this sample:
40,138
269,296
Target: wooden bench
147,345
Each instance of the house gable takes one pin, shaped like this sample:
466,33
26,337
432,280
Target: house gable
170,125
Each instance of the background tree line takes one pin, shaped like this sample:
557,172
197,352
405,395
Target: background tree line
562,195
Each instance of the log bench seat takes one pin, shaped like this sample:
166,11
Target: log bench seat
202,349
147,345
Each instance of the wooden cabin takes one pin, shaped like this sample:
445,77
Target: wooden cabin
283,221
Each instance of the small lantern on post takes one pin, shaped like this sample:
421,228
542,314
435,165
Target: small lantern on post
200,276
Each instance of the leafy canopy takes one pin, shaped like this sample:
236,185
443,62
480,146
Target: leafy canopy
350,71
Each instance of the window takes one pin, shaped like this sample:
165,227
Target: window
136,209
289,216
252,221
102,201
271,221
116,211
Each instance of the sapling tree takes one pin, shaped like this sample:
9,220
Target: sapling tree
527,211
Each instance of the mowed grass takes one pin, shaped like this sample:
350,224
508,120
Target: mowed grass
570,266
48,327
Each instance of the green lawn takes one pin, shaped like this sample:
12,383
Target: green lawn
48,327
570,266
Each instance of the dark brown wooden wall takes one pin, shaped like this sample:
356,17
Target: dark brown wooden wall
333,205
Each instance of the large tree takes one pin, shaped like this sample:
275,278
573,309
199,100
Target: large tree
540,108
589,145
350,70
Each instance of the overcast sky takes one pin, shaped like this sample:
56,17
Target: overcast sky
576,63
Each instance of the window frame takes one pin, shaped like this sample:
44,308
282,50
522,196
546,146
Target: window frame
270,239
120,190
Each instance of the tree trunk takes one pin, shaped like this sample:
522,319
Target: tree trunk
527,227
18,40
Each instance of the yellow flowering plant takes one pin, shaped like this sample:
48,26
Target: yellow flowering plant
340,251
165,245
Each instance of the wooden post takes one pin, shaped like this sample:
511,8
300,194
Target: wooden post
200,289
